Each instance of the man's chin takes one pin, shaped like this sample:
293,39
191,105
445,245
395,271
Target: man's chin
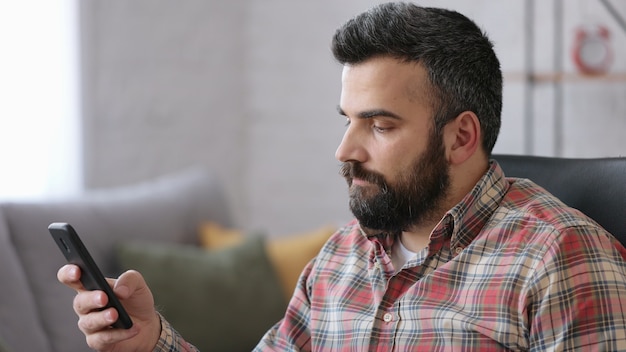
364,193
373,226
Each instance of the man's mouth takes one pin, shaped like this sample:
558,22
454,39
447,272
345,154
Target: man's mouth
360,182
355,175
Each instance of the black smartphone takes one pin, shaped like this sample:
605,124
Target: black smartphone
91,277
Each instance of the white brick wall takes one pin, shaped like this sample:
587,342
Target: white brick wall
249,88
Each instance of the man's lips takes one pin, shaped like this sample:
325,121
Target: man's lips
360,182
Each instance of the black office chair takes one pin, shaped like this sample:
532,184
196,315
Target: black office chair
597,187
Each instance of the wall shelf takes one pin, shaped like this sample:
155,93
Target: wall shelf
551,77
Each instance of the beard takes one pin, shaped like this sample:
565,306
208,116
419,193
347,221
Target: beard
414,198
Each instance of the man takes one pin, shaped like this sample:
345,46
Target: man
445,252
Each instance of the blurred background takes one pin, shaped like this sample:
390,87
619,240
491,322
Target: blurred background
104,93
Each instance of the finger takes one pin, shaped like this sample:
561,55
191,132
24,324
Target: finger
102,340
97,320
89,301
69,275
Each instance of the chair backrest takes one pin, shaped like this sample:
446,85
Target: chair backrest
597,187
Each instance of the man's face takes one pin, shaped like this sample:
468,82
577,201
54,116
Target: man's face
393,161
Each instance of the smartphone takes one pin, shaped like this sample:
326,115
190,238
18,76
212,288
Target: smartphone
91,277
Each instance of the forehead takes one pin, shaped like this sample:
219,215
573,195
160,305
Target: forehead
384,82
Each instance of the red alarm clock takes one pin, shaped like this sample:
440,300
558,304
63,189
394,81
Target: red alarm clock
592,49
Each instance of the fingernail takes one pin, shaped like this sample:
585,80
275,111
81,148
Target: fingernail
73,271
122,291
98,301
108,315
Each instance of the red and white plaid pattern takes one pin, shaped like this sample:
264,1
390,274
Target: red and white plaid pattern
509,268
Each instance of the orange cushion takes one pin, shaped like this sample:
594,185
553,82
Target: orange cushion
288,254
214,236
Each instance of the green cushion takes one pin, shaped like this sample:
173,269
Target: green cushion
3,348
223,300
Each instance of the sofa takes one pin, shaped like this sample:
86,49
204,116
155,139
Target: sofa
221,287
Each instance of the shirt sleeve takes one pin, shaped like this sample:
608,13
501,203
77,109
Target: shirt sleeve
170,340
292,333
578,297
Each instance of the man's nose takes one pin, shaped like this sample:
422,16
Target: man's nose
351,147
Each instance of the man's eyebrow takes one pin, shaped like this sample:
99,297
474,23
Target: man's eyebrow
371,113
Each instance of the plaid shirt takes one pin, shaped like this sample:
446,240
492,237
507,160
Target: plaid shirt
171,341
508,268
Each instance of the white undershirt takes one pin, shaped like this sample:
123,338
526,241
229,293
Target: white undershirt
400,255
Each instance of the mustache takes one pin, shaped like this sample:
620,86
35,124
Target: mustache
351,170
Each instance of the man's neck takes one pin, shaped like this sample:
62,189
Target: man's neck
415,242
418,237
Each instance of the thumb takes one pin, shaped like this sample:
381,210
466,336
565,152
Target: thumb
130,283
133,292
135,296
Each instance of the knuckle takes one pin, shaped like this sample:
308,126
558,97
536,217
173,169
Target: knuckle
100,340
77,304
94,342
88,323
85,325
80,306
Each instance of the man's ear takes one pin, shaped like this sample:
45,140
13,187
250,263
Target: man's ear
462,137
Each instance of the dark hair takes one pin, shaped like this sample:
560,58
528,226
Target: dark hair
462,66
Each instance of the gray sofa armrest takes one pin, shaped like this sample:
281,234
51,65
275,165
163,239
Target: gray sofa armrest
166,210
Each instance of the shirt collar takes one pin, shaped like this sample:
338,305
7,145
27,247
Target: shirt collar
471,214
464,221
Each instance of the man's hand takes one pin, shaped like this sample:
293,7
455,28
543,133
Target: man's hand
95,323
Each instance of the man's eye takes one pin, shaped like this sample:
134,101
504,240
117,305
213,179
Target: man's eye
380,129
347,121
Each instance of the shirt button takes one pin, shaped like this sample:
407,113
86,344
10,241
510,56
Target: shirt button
387,317
458,250
377,265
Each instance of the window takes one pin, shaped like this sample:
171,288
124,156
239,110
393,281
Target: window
39,123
